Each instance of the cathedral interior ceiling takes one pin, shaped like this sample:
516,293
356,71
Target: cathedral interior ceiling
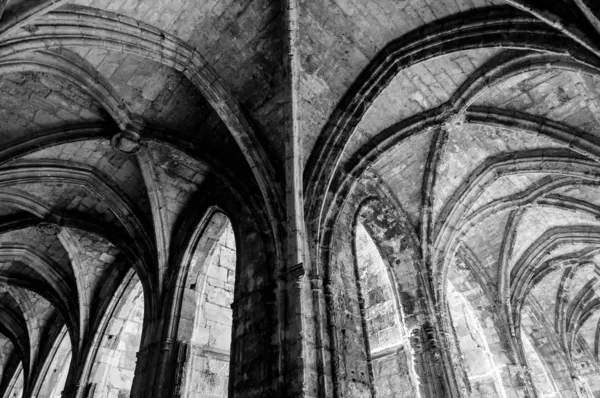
116,116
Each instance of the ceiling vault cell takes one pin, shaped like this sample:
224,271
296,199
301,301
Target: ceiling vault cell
258,198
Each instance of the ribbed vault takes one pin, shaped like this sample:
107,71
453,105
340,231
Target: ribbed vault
260,198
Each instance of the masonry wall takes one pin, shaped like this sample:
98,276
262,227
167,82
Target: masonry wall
389,360
54,378
114,368
207,372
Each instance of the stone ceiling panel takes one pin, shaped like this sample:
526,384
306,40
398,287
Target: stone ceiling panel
545,293
122,169
507,186
587,193
177,180
469,147
402,169
568,250
338,44
70,199
157,92
416,89
30,102
485,242
240,39
47,244
167,100
39,314
557,95
7,211
584,273
94,256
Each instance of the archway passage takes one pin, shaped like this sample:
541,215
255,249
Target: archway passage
207,373
391,358
114,368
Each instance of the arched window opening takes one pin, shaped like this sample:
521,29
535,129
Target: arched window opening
542,380
207,372
114,366
484,376
391,358
15,388
57,371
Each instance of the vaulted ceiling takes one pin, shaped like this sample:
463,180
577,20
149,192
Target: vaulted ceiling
116,115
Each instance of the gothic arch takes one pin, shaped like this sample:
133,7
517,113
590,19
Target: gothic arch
371,203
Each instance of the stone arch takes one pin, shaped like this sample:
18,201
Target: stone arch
255,349
114,361
53,376
92,27
371,203
391,362
212,277
76,70
444,37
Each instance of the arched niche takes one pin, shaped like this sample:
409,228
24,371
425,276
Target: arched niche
56,369
391,358
372,205
115,360
213,281
255,354
227,311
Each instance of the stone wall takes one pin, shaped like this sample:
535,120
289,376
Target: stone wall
207,373
391,360
55,375
114,367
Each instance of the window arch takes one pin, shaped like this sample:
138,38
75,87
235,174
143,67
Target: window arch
391,359
207,369
114,365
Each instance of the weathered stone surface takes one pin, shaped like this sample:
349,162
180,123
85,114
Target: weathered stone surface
299,198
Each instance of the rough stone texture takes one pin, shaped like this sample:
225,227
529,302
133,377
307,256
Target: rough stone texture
416,89
561,96
56,373
338,45
207,372
386,335
31,102
162,233
469,147
241,40
114,366
99,154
